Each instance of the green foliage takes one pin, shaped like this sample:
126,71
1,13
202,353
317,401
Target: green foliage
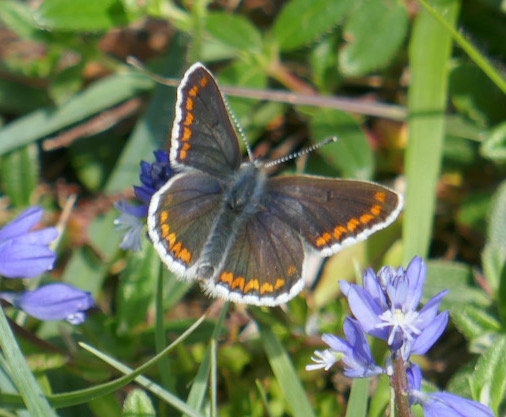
63,88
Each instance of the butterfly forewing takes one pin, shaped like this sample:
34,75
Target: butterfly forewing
202,135
332,213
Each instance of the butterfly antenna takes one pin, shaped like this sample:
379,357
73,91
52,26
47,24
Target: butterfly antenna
240,130
134,62
300,153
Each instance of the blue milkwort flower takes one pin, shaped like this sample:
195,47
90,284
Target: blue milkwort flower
353,351
386,308
442,404
25,253
132,220
57,301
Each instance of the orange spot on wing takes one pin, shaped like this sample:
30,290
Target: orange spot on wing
380,196
266,287
279,283
323,239
185,256
182,153
366,218
193,91
164,227
226,277
238,282
376,210
176,249
291,270
338,231
189,104
252,285
203,81
187,133
352,224
188,120
163,217
171,239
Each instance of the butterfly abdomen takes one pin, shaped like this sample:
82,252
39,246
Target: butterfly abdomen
241,201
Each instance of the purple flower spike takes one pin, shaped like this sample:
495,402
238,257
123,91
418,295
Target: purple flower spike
442,404
354,352
25,254
153,176
386,308
56,301
132,219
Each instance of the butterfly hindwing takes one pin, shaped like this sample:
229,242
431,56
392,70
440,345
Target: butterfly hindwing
264,264
181,215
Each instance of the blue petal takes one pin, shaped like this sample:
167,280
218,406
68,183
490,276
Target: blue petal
24,261
21,224
56,301
430,334
415,275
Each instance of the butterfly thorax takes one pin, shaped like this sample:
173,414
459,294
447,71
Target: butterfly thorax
243,194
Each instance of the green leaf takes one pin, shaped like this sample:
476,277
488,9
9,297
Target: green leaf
136,289
494,144
138,404
99,96
476,96
285,373
489,385
234,30
474,322
429,52
81,15
456,277
493,259
18,17
19,98
351,153
359,396
370,47
21,375
19,172
302,21
496,231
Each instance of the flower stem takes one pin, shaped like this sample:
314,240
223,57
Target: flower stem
399,382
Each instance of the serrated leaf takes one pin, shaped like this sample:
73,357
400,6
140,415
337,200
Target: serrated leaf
302,21
488,385
494,144
138,404
19,171
457,277
370,45
474,321
233,30
493,259
351,153
79,15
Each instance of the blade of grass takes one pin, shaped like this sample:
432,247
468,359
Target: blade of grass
160,339
474,54
199,386
429,52
36,403
357,403
148,384
285,374
81,396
